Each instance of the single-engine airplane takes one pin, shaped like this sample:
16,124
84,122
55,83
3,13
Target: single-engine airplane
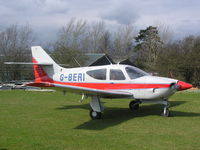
108,81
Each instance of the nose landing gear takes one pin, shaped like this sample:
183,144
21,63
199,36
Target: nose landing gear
166,112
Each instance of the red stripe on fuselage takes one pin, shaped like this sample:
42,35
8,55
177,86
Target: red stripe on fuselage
112,86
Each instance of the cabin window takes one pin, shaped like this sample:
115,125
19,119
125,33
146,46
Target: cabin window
116,74
99,74
134,73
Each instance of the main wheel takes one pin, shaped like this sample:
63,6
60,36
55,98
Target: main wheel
95,115
133,105
166,112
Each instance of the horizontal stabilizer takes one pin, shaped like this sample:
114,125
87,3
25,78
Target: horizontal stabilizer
40,84
27,63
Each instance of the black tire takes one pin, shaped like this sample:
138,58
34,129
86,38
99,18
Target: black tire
95,115
166,112
133,105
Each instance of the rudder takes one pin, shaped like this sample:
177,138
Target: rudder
44,66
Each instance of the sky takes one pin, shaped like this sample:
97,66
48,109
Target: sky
46,17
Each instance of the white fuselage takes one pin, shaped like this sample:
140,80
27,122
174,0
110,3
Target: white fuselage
144,87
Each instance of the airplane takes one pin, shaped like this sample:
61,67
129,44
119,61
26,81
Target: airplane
108,81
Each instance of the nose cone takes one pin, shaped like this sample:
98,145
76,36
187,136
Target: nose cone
184,85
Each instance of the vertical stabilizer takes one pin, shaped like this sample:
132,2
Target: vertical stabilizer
44,66
40,55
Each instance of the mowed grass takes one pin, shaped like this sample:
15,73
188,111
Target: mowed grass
52,121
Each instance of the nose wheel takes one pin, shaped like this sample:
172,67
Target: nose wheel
166,112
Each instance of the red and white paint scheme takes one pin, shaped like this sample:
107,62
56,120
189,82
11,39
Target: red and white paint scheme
109,81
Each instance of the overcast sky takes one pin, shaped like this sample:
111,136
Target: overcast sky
47,16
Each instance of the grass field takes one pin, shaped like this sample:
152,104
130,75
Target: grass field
52,121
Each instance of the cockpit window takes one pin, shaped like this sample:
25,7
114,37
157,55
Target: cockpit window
135,72
116,74
99,74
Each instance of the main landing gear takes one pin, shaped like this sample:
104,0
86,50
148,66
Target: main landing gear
95,114
134,105
97,108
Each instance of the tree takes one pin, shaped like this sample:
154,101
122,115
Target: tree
123,40
68,57
181,60
148,46
72,39
189,68
169,60
78,37
105,42
15,45
73,35
165,32
97,33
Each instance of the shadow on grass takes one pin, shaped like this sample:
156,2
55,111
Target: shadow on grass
114,116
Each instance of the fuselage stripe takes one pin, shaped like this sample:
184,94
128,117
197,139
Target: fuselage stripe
113,86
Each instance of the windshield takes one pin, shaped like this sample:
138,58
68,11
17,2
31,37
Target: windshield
134,73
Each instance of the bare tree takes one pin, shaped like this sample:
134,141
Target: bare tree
15,45
123,40
96,33
165,32
72,35
105,42
72,39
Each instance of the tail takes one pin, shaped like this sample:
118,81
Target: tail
44,66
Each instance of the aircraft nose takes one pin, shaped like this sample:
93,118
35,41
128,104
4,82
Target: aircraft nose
184,85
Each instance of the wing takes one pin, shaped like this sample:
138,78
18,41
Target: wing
87,91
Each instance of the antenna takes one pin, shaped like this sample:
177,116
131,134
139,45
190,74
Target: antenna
108,59
77,62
